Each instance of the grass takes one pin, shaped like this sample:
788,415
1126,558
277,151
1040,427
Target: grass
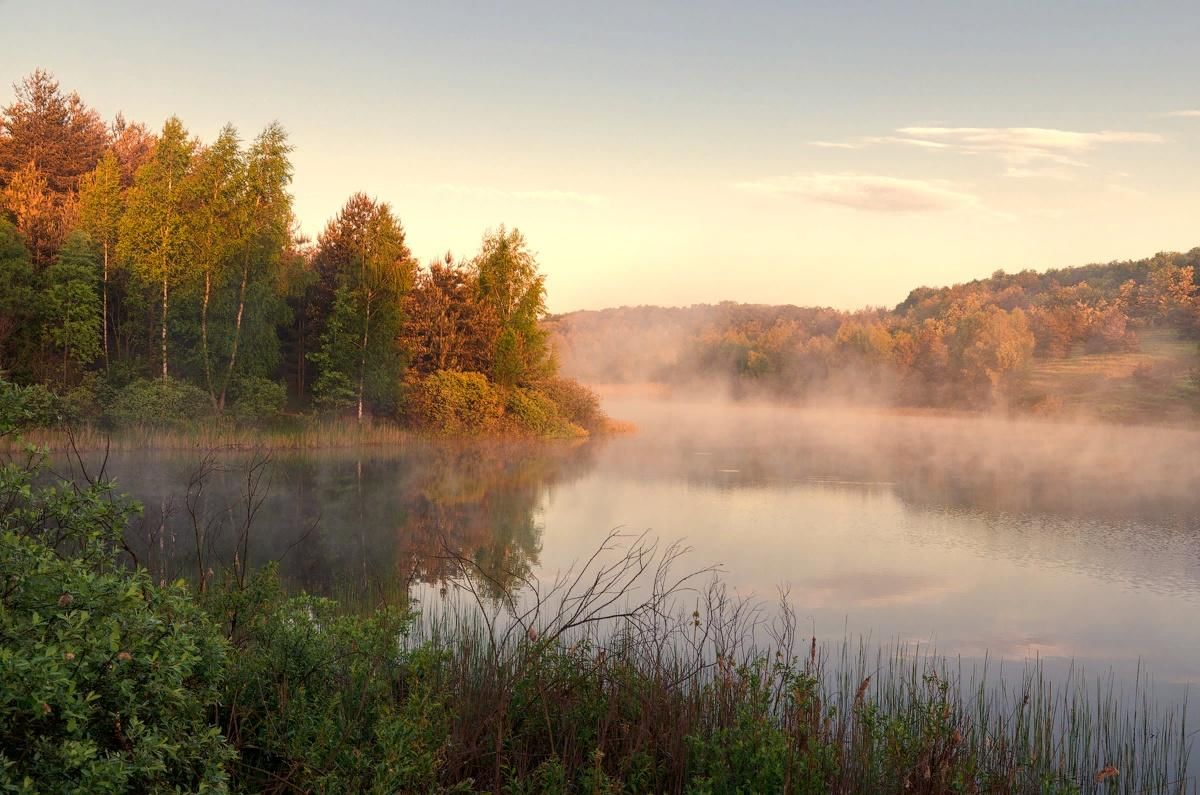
675,707
1156,382
582,688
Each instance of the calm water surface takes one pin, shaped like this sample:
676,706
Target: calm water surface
1024,540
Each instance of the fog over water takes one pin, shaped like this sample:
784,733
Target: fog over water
1020,539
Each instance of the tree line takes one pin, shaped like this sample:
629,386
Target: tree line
965,345
150,274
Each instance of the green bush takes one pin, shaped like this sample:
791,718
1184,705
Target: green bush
456,403
531,412
258,400
32,406
576,402
322,701
105,678
158,403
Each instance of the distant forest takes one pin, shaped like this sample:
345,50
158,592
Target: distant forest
967,345
148,277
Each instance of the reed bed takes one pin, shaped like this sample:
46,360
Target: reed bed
575,689
298,435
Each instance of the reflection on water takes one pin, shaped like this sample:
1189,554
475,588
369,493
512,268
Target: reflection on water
1019,539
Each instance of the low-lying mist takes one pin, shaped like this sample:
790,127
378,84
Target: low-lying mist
1010,462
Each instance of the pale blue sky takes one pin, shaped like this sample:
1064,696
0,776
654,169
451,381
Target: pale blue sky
813,153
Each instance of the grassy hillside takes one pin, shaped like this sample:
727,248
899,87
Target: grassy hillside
1158,381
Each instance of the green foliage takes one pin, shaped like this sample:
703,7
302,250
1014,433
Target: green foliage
531,412
511,287
754,753
158,403
258,400
575,402
17,303
105,679
71,307
456,403
323,701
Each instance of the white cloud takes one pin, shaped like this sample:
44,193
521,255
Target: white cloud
1023,145
837,144
867,192
555,196
1185,114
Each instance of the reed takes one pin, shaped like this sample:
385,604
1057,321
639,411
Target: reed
712,696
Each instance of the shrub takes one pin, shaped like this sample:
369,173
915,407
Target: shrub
258,400
322,701
531,412
576,402
456,403
158,403
105,678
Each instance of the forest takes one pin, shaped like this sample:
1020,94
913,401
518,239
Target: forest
152,278
980,344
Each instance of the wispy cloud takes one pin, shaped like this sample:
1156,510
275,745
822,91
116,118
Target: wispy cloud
554,196
867,192
1185,114
1025,151
1024,145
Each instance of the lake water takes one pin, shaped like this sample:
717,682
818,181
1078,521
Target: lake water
1021,539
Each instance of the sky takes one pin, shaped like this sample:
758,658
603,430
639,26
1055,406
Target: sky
813,153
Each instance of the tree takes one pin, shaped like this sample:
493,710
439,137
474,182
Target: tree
57,132
70,306
212,195
446,326
17,297
363,253
101,204
510,285
27,197
264,218
132,144
990,344
153,236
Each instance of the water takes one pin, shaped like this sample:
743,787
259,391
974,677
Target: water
1019,539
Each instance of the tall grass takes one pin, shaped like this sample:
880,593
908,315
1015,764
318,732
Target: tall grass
713,697
297,435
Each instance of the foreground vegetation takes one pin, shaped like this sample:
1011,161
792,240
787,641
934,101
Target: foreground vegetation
113,681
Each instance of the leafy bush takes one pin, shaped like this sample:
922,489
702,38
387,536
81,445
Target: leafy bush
104,679
576,402
258,400
531,412
456,403
158,403
32,406
323,701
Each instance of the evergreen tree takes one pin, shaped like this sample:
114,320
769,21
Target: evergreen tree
70,304
16,299
363,253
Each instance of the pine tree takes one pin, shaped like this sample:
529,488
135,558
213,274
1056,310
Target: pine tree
70,304
363,253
